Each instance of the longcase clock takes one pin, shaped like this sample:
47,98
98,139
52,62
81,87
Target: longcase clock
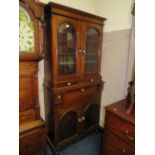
31,50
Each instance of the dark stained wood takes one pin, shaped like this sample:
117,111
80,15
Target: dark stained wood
91,115
119,109
73,13
81,26
32,138
56,22
116,146
28,91
119,131
72,101
68,125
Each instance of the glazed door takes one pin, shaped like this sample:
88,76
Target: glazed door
66,45
92,37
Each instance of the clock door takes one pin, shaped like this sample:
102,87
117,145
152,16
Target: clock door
66,44
30,31
26,32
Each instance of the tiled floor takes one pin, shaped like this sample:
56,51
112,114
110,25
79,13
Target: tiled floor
90,145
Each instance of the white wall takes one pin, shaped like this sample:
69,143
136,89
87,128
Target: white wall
85,5
114,60
118,13
114,67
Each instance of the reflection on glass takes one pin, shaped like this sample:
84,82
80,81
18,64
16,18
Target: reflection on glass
66,50
92,48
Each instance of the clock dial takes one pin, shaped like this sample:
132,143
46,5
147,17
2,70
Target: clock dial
26,31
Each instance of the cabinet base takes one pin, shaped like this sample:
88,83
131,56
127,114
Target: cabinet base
57,148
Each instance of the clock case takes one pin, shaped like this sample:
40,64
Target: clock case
31,127
36,12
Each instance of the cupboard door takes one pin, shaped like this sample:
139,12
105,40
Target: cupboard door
91,116
66,44
66,123
92,48
32,142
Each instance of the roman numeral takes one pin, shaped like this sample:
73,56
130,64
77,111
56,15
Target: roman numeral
29,42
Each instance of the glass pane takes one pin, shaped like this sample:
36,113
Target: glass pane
92,48
66,50
26,31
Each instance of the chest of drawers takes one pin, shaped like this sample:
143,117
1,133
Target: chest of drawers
119,135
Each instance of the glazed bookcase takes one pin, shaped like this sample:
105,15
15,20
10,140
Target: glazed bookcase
72,82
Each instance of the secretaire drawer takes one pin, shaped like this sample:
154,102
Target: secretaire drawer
120,127
81,94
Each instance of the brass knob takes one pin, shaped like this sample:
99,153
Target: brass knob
91,79
82,89
83,118
79,120
84,51
123,151
58,97
68,83
126,131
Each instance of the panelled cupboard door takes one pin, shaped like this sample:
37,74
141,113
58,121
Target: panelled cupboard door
28,91
66,34
91,48
27,95
67,124
90,115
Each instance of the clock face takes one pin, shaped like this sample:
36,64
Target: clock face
26,31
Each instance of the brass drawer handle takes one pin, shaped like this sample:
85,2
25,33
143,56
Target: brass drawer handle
128,136
82,89
91,80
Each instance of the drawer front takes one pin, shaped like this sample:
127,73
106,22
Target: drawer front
65,84
82,94
32,141
113,145
120,127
